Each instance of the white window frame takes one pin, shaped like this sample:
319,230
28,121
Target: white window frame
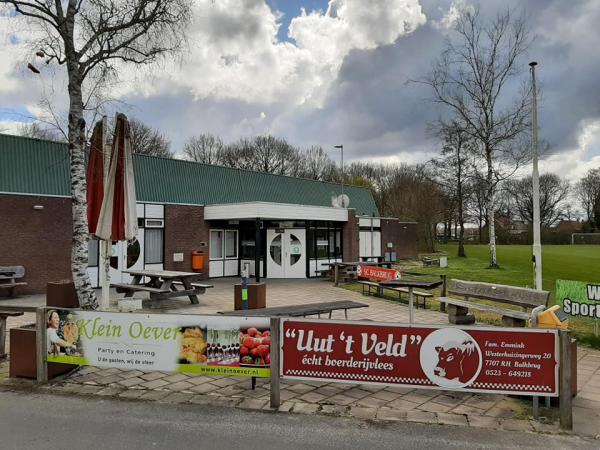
223,253
236,234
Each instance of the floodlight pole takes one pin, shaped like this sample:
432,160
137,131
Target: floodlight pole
341,147
537,245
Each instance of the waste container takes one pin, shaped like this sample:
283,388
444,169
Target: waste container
257,296
198,260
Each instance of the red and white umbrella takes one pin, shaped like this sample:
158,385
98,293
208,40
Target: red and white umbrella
117,220
111,193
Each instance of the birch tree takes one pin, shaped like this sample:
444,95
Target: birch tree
92,38
474,79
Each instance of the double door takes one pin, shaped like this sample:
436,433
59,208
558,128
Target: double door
286,253
124,256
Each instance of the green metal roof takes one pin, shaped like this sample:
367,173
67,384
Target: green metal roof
33,166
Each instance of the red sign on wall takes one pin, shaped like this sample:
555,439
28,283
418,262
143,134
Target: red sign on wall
494,360
377,273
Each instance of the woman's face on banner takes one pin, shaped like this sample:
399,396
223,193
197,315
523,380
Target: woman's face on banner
54,320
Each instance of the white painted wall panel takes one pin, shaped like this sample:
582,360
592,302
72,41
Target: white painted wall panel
93,274
231,267
251,269
155,211
273,211
215,268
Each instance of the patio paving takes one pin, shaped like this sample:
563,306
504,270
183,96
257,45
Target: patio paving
368,402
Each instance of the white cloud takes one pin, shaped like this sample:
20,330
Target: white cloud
10,126
235,54
574,163
452,15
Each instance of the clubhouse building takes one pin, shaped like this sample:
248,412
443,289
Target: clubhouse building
288,227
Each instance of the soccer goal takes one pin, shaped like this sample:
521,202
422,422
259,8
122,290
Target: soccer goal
585,238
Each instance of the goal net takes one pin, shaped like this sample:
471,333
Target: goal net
585,238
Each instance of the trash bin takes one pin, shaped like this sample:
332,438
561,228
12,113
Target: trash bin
257,296
198,260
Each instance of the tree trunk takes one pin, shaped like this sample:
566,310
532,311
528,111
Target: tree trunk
461,222
79,250
490,207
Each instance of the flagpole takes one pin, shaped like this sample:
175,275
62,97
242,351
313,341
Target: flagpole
537,246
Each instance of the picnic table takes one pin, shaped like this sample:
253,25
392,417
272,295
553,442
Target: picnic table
310,309
163,284
410,285
349,268
10,278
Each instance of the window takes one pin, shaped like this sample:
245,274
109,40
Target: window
216,244
322,237
224,244
230,243
92,253
153,253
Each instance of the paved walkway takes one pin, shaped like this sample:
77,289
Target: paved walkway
360,401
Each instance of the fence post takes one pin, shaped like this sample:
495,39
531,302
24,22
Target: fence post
444,291
565,394
41,345
336,274
275,361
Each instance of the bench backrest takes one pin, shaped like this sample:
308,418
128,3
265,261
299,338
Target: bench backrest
18,272
529,298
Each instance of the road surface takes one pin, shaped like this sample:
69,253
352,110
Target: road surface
42,421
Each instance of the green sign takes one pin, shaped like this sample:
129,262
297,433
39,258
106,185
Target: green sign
579,298
211,345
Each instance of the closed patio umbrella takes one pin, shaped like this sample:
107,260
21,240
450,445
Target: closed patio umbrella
115,219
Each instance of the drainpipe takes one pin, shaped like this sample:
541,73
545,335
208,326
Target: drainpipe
256,253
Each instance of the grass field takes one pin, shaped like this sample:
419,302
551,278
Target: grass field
567,262
579,262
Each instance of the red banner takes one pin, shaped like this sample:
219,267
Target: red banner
377,273
494,360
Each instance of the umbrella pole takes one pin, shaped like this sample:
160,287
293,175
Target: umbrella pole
105,250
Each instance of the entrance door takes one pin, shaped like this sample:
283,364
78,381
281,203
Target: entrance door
125,255
286,250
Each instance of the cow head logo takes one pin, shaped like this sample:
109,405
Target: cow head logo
450,358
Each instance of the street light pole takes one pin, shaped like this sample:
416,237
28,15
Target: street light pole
537,245
341,147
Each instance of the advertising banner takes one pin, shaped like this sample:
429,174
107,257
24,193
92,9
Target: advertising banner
377,273
579,298
213,345
493,360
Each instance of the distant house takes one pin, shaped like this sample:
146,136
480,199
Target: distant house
512,226
573,226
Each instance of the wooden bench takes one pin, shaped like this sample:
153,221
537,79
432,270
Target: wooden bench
9,278
430,261
3,315
379,291
130,288
196,285
458,310
310,309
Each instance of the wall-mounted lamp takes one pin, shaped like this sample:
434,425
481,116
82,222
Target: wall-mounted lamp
38,207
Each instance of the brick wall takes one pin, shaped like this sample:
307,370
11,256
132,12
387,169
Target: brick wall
185,230
351,237
402,235
39,240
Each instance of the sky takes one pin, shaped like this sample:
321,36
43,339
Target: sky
329,72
